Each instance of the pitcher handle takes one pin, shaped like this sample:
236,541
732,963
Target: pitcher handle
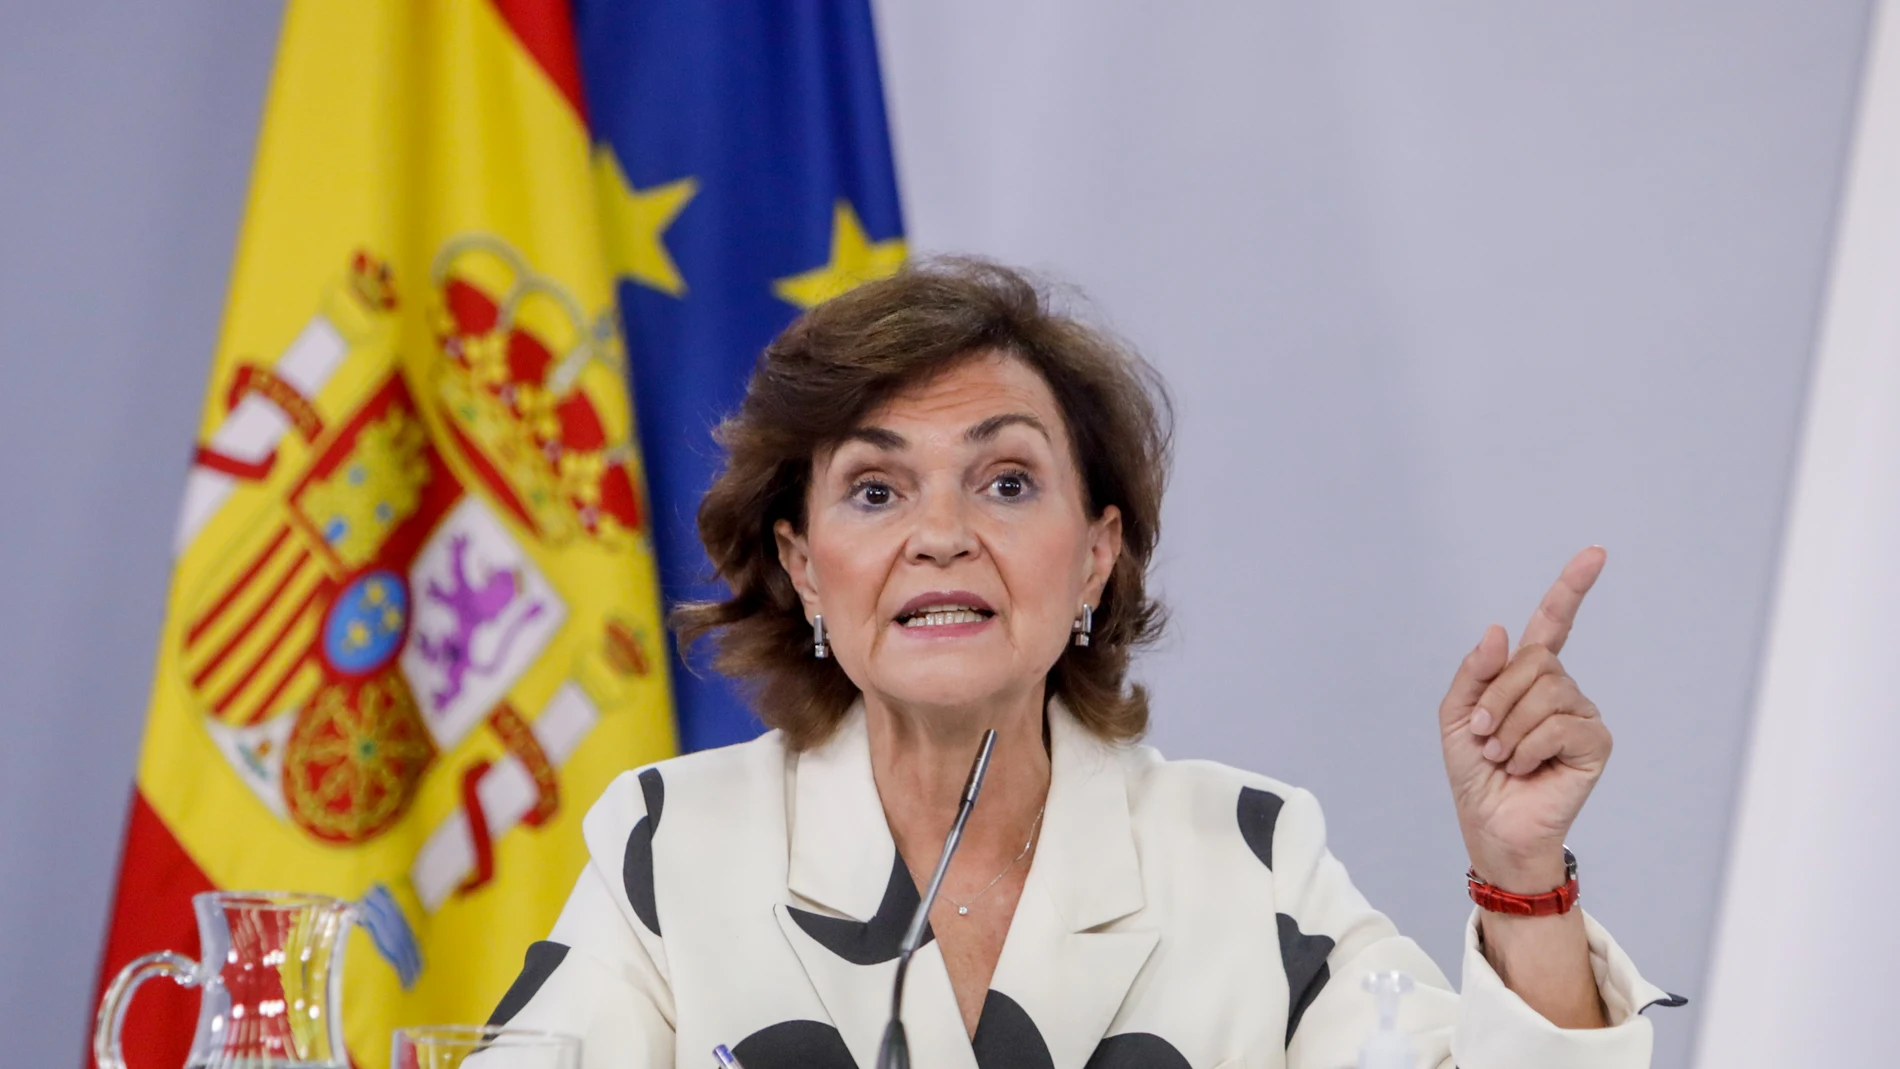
111,1021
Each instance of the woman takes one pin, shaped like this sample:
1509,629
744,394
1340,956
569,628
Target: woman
939,507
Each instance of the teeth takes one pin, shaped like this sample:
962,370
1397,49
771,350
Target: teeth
943,617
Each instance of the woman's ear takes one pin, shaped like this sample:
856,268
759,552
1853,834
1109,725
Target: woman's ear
794,555
1105,548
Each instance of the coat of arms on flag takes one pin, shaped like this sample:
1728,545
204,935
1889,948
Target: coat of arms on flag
383,605
383,610
414,627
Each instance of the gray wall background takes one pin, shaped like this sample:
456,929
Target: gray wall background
1444,293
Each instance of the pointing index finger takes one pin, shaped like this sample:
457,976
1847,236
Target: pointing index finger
1550,624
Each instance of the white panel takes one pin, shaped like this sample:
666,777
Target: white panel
1804,962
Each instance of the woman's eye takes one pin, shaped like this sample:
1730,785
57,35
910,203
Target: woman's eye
873,494
1013,484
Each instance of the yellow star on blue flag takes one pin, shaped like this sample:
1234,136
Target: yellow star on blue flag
635,222
855,260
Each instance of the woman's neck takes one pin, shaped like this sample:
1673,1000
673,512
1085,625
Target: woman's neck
921,759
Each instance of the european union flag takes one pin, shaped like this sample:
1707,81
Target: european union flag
746,175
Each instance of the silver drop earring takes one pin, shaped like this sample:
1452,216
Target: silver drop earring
819,647
1083,625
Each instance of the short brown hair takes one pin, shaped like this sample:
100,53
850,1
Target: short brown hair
834,365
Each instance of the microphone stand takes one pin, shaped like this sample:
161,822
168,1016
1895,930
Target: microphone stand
894,1051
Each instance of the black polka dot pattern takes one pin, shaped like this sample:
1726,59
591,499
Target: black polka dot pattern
1006,1038
637,870
542,959
875,941
1136,1050
1257,812
1304,958
794,1045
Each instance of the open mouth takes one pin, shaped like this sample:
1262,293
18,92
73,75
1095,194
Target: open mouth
944,616
943,609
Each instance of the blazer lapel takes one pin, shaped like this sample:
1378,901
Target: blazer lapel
853,898
1067,974
858,998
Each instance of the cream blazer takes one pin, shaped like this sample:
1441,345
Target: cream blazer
1177,914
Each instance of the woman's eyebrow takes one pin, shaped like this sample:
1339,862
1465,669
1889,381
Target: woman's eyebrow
877,437
989,428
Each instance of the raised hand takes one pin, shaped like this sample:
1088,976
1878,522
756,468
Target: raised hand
1523,746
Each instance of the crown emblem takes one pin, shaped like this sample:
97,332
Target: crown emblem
519,349
372,282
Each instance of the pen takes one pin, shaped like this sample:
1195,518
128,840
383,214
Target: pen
726,1060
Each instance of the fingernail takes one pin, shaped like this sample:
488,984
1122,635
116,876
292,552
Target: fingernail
1481,722
1493,750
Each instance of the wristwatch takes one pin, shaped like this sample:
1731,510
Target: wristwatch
1548,904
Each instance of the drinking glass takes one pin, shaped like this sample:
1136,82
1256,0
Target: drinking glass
478,1046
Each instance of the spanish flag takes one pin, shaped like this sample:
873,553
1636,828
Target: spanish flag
414,623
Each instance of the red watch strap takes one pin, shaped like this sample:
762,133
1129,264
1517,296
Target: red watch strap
1548,904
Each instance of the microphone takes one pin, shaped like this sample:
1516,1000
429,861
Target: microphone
894,1051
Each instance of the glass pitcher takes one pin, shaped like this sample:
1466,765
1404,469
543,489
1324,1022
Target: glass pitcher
271,973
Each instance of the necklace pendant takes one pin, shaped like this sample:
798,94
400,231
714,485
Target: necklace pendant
963,911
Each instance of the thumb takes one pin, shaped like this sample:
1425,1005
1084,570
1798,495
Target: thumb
1475,673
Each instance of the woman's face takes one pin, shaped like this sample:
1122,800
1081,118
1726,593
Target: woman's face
946,541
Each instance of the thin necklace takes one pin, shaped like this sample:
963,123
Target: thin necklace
963,908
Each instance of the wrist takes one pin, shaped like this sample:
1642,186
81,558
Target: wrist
1546,962
1522,874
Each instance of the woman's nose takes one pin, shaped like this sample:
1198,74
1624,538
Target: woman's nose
943,532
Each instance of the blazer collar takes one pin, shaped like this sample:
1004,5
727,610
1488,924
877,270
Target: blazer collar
841,847
1087,852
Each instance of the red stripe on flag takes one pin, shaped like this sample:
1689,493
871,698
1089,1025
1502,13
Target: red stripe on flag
243,630
545,29
211,615
263,709
152,912
257,663
225,464
479,837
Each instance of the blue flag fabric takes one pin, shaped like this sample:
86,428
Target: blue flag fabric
745,168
